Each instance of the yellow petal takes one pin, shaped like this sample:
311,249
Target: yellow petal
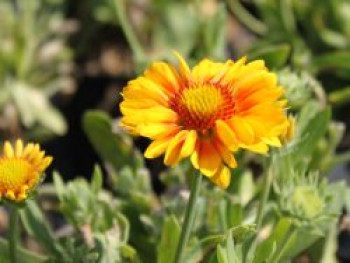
10,195
143,88
261,148
189,144
164,74
258,125
157,148
184,69
243,131
273,141
158,130
8,150
226,135
222,177
19,148
45,163
231,74
28,149
153,115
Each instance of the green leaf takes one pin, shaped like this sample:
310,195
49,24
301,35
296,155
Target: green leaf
113,147
25,255
230,248
300,240
97,181
246,188
264,251
175,33
214,31
274,56
129,253
234,214
169,240
221,254
34,107
281,230
228,253
36,226
333,60
59,185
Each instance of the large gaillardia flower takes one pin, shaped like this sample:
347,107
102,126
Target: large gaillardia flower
206,113
21,169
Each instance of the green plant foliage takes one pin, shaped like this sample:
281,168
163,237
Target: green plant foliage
99,128
278,208
169,240
31,53
25,255
202,33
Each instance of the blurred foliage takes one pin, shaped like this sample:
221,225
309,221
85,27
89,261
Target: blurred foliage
34,66
157,29
312,36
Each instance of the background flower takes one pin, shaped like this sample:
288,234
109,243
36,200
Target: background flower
21,169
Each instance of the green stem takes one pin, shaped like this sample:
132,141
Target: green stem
129,33
266,191
189,216
14,233
337,159
246,18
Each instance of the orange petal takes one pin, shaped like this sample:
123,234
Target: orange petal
225,154
206,158
172,154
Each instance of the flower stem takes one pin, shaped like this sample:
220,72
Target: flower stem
266,191
189,217
14,232
128,31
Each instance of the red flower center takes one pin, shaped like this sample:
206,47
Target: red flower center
200,105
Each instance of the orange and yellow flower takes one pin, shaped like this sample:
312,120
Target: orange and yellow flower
206,113
21,169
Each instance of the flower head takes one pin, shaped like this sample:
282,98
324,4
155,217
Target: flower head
206,113
21,169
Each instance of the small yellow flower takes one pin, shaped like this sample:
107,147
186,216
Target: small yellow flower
206,113
21,169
